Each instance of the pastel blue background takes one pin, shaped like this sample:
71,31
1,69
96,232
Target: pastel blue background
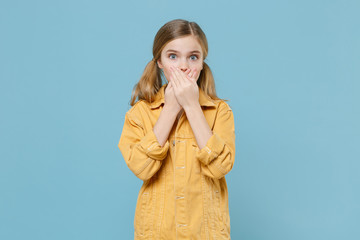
289,68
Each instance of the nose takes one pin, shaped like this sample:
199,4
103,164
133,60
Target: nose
183,65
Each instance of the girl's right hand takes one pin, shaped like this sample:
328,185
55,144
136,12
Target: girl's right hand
170,99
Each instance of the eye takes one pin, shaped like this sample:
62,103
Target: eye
195,57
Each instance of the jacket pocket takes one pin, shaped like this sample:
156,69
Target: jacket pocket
196,163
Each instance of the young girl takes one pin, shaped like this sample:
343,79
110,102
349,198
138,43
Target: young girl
179,138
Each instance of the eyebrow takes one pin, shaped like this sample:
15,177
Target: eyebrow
171,50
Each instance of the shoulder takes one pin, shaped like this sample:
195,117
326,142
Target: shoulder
224,117
224,114
222,105
138,109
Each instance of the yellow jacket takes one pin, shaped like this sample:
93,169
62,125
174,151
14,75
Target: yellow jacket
184,193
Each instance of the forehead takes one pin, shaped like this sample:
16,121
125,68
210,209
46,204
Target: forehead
184,44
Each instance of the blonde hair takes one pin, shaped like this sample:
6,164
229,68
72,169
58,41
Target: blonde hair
150,82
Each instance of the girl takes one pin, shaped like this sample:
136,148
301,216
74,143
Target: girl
179,138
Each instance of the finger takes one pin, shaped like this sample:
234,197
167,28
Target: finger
184,74
193,75
173,77
189,74
180,75
177,77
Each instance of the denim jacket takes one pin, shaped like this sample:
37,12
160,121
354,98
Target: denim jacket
184,192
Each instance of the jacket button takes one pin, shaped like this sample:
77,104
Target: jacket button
173,142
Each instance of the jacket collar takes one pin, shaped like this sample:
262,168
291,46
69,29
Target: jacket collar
204,100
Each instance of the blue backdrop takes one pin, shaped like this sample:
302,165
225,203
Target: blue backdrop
289,68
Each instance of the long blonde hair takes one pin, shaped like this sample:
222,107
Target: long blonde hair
151,81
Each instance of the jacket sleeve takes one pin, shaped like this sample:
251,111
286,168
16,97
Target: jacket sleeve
218,155
141,150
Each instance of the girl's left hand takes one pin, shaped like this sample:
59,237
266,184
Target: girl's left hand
185,87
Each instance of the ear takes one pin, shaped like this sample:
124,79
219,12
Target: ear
159,63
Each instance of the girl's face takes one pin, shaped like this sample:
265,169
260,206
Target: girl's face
184,53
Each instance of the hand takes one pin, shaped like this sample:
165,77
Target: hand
170,99
185,88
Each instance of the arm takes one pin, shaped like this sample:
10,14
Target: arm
217,155
164,124
198,124
141,150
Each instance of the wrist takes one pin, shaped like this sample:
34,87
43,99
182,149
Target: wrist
172,111
192,107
